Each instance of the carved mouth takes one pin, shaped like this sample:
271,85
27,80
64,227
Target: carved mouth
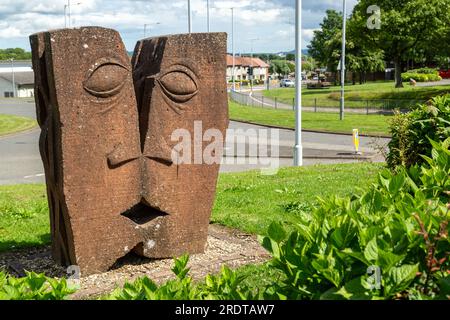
143,214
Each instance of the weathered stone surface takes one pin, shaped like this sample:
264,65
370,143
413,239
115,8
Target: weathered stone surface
112,185
179,80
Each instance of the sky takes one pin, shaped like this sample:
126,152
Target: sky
271,22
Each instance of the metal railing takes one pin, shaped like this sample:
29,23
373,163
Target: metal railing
361,106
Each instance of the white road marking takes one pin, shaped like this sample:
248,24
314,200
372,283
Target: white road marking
34,175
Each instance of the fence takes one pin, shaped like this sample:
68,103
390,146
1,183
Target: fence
362,106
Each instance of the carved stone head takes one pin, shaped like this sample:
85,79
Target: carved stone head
107,142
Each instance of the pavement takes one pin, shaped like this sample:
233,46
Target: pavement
20,161
443,82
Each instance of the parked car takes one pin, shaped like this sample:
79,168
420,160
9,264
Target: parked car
287,83
445,74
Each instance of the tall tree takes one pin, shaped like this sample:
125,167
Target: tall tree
325,46
280,67
405,25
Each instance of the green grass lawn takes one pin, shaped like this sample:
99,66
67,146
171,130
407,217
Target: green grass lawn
327,122
329,97
248,201
11,124
24,217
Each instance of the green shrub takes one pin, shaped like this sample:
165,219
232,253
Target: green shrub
421,75
411,132
424,71
33,287
399,227
225,286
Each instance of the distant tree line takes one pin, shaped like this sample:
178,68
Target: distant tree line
14,53
410,33
285,65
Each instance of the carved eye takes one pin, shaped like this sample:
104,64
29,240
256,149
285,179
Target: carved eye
107,79
179,84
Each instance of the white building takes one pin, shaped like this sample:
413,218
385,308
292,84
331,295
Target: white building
23,83
6,66
242,65
23,78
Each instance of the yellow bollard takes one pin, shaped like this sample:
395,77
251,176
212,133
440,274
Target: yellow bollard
356,140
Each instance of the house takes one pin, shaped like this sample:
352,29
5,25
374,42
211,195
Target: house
23,84
242,66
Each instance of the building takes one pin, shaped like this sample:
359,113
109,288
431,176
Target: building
19,66
23,78
242,66
23,81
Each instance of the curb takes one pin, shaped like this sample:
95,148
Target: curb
29,130
313,131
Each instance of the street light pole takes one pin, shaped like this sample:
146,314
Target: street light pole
208,26
251,62
65,16
298,149
68,7
344,20
189,17
233,75
67,22
13,78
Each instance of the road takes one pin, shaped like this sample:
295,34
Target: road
20,161
443,82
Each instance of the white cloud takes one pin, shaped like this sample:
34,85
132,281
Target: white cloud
269,20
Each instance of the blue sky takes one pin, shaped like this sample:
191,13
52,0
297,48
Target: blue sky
271,21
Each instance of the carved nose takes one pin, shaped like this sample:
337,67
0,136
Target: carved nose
123,154
142,213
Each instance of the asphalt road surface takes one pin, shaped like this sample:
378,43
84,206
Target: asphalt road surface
20,161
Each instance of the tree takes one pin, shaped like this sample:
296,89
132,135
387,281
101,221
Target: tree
290,57
325,47
308,64
405,25
280,67
363,61
14,53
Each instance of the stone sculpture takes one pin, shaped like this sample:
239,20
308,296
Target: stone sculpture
106,141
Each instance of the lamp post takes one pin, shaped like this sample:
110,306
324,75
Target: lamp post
298,149
65,16
13,77
189,17
233,73
251,62
68,13
344,20
208,26
149,24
